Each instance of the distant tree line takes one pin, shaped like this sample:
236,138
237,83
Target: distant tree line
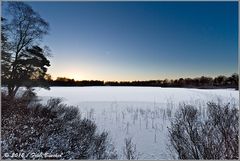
62,81
199,82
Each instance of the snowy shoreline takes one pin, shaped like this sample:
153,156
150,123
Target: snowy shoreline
141,113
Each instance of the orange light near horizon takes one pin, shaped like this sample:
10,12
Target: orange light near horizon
71,74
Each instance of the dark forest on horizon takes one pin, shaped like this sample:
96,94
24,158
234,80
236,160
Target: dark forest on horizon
198,82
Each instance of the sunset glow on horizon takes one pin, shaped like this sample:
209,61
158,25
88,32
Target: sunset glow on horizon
128,41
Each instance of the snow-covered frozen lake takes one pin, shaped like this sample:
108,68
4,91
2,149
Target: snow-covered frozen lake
142,113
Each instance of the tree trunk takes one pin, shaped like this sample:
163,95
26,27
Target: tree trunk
12,90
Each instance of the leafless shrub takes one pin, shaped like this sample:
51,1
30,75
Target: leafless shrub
54,128
224,129
129,149
216,137
103,149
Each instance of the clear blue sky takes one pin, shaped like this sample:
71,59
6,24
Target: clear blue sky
141,40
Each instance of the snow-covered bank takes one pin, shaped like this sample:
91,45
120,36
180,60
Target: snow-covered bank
142,113
75,95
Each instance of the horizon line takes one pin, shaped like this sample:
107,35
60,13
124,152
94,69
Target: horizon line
193,77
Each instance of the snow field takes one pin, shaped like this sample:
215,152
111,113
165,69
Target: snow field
141,113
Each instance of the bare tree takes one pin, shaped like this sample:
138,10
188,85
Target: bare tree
24,31
5,55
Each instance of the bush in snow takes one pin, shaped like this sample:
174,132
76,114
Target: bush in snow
52,131
129,149
213,137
